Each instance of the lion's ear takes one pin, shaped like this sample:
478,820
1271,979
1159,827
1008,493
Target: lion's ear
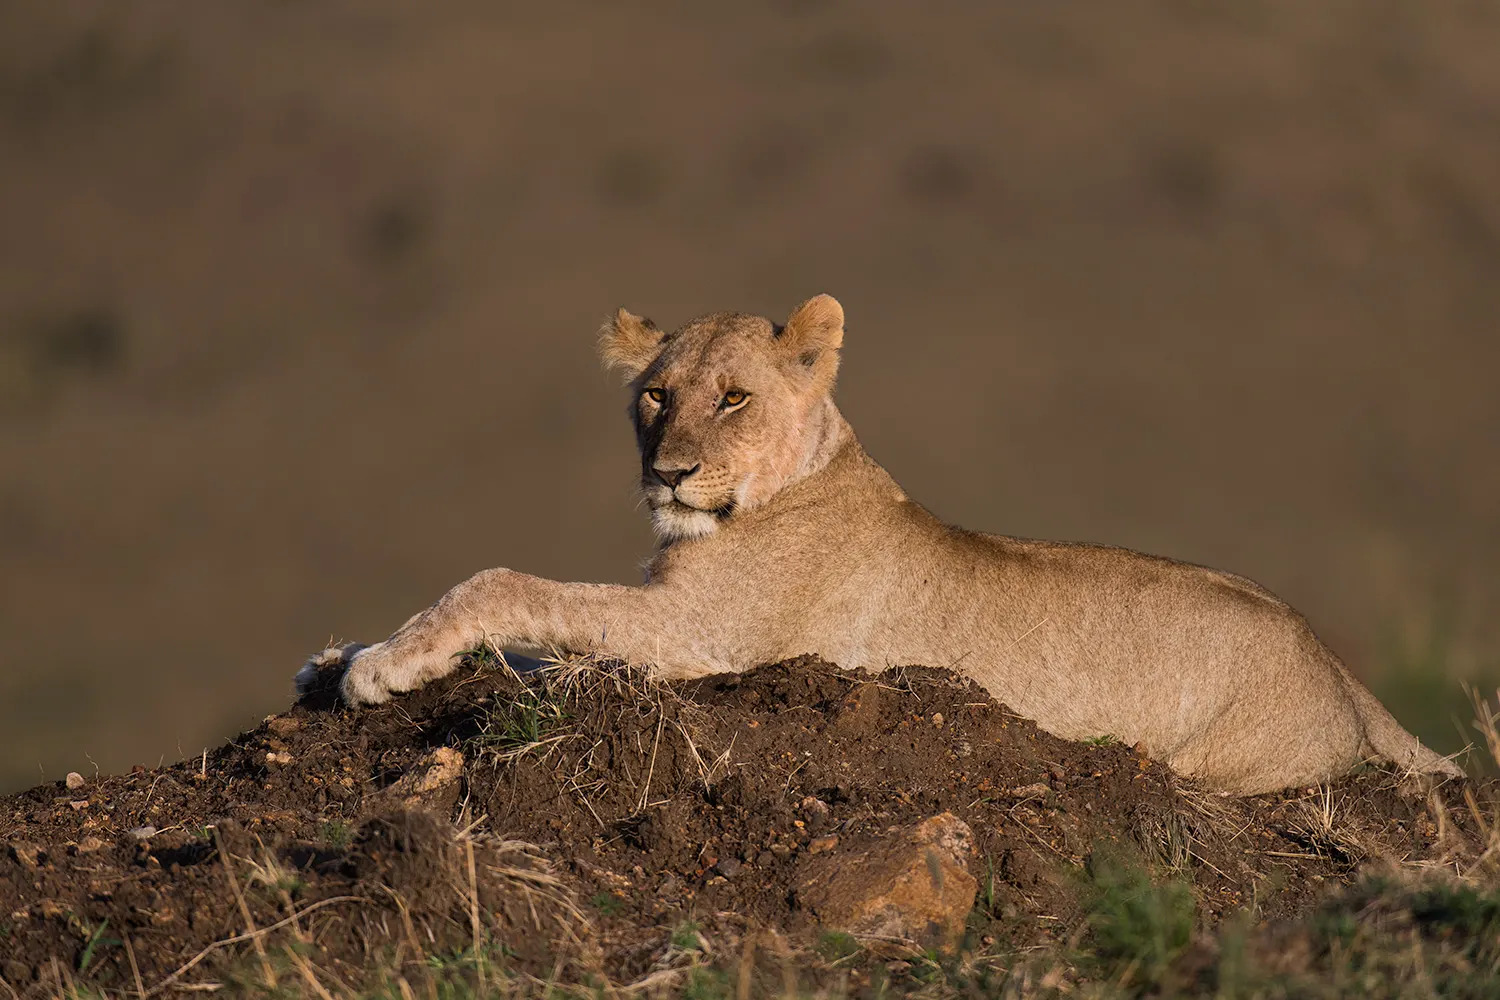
813,335
629,343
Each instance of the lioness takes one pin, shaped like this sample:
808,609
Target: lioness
780,536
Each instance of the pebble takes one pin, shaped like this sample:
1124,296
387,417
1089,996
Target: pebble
74,780
143,832
813,806
436,771
825,843
79,804
278,757
88,845
282,725
728,867
1030,791
937,719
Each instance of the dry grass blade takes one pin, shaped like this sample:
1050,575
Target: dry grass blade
135,968
239,898
307,974
171,980
645,795
534,875
474,925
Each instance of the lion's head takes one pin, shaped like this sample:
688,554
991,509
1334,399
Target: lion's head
728,409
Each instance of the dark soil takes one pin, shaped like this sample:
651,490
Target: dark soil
596,816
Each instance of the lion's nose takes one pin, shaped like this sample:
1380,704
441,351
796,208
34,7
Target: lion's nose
672,477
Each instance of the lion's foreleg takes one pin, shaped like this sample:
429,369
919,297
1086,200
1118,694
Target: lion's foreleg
504,608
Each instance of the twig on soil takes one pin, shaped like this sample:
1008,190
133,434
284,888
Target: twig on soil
241,938
659,978
1292,854
787,788
1036,836
152,790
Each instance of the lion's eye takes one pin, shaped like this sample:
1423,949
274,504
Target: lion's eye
657,396
735,398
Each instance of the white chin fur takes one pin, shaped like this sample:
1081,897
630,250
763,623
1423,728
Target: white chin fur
674,522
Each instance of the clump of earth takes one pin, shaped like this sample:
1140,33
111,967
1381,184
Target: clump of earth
590,826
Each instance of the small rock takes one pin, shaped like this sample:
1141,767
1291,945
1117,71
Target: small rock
28,855
74,781
813,806
728,867
435,772
962,748
765,858
278,757
825,843
1058,772
913,887
79,804
50,908
937,719
948,834
143,832
1036,790
89,845
612,879
283,725
859,708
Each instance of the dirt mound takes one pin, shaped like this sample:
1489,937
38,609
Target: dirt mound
580,822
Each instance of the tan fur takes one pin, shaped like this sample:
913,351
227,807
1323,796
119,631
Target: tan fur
780,536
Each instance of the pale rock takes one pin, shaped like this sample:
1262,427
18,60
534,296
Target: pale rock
434,773
912,888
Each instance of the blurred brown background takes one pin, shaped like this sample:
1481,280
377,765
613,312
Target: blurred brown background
298,301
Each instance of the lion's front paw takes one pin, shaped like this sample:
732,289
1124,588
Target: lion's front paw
322,669
369,675
376,672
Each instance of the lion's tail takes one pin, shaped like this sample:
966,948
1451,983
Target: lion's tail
1388,739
